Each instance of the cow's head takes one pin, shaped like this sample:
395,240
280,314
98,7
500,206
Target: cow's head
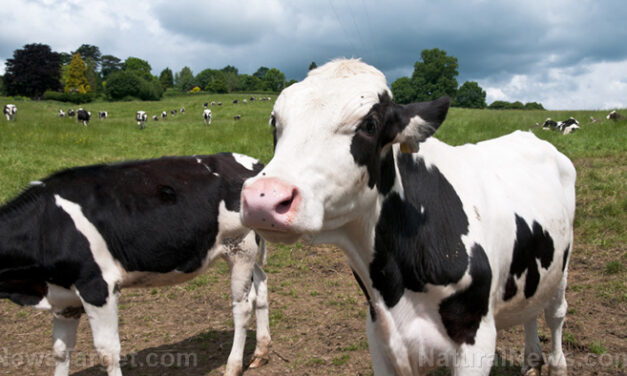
333,133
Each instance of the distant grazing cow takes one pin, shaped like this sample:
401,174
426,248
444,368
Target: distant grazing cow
206,115
182,111
593,119
244,101
549,124
102,115
448,243
614,116
219,103
10,110
73,240
205,105
164,115
141,118
61,113
237,117
173,112
213,103
568,126
252,99
155,117
83,116
235,101
70,112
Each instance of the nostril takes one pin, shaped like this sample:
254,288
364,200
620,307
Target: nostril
285,205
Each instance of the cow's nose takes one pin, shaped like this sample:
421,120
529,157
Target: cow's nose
269,204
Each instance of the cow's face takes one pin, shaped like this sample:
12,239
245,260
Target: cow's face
333,133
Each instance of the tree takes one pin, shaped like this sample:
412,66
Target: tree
33,69
76,81
470,95
403,90
261,72
138,66
249,83
124,84
274,80
533,106
313,65
230,69
434,76
184,80
166,78
89,52
64,58
108,65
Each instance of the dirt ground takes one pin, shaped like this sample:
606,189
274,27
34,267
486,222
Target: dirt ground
317,315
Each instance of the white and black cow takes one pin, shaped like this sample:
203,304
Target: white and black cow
71,112
83,116
164,115
614,116
61,113
141,118
102,115
73,240
206,115
568,126
448,243
10,110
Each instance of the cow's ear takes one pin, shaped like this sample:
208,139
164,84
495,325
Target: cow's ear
415,122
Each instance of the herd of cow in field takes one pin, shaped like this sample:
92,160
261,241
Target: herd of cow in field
444,261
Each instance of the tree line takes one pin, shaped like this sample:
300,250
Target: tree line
435,76
36,71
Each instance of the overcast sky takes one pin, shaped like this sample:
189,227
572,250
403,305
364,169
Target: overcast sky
565,54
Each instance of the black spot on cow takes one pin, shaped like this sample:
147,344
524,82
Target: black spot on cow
461,312
531,244
565,259
418,240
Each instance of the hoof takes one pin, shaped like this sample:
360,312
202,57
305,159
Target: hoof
233,371
258,362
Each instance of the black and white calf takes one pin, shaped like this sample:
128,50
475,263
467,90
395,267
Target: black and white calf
71,112
72,241
448,243
566,126
206,115
164,114
10,110
614,116
102,115
61,113
83,116
141,118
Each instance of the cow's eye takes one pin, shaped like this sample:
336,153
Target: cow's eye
369,126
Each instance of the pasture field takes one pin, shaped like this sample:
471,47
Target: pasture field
317,311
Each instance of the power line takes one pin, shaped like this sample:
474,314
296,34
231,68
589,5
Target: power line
342,26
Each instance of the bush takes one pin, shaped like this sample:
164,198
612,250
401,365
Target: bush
72,97
127,84
195,90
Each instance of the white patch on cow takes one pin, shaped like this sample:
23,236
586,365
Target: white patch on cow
198,160
245,160
110,268
36,183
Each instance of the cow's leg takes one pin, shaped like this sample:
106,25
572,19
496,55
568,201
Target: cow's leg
533,350
103,321
63,342
259,295
380,360
477,359
241,283
554,315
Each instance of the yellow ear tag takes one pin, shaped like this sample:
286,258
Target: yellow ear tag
405,148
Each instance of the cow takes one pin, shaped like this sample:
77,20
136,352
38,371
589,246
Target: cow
235,101
102,115
72,241
205,105
244,101
614,116
10,110
206,115
83,116
568,126
61,113
173,112
219,103
448,243
549,124
164,115
213,103
141,118
70,112
182,110
155,117
237,117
